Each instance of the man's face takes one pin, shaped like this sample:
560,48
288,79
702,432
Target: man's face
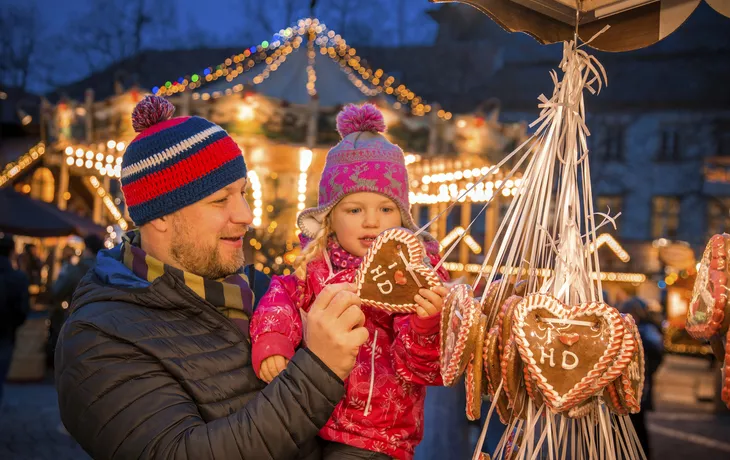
207,236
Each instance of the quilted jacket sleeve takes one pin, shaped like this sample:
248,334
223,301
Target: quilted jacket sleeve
276,326
416,348
120,403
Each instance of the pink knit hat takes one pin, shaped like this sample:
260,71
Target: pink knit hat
372,164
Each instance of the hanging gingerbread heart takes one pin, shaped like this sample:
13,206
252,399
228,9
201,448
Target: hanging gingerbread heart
495,293
474,374
630,384
393,270
707,314
459,326
493,371
513,378
567,374
504,321
613,400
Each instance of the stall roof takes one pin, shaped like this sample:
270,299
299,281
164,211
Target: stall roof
23,215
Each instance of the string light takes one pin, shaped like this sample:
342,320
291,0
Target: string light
370,82
305,160
106,199
468,240
633,278
615,246
109,164
14,168
311,73
253,180
411,158
446,195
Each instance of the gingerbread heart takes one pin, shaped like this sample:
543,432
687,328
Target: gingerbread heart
505,320
514,382
474,373
459,326
707,313
495,293
630,384
613,400
493,371
565,375
392,271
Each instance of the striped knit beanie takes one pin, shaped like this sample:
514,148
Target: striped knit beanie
175,162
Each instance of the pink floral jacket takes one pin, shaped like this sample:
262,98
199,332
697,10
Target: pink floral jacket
382,409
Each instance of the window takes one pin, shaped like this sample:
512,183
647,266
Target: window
718,216
611,205
665,217
670,148
612,146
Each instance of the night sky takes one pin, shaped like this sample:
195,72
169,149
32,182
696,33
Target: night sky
217,23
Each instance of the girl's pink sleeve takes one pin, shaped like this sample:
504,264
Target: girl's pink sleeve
276,326
416,348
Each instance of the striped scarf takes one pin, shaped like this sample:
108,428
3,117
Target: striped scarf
232,295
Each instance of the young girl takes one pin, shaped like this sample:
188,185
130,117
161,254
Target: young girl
363,191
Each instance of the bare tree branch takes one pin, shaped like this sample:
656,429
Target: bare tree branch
18,43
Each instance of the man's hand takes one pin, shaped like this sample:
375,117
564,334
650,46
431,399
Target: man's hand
335,328
272,366
430,301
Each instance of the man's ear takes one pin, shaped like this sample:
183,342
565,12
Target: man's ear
161,224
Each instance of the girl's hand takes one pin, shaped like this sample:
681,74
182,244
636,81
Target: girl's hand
430,301
272,366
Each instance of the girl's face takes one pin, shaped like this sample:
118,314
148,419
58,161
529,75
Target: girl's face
360,217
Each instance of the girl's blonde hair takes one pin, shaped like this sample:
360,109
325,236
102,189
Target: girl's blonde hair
313,249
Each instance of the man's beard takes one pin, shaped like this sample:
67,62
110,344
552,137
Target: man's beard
197,258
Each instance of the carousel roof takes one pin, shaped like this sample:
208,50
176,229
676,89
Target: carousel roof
332,84
318,62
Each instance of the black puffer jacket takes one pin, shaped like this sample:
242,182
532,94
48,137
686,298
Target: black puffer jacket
153,371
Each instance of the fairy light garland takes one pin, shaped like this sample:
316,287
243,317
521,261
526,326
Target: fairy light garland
106,164
468,240
255,183
106,199
481,193
311,73
12,169
330,44
634,278
608,239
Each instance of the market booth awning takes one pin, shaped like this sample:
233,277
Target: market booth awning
633,24
22,215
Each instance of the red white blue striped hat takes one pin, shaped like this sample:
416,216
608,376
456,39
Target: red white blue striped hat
175,162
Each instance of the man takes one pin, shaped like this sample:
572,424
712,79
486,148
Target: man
30,263
71,274
155,360
14,305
